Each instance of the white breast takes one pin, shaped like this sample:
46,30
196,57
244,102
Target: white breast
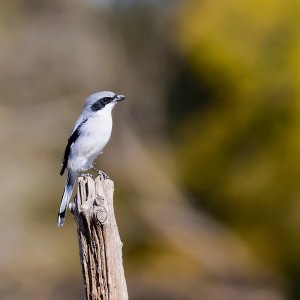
94,135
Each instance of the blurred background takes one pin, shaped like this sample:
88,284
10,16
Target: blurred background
204,152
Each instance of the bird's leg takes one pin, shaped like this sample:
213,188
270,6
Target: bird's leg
104,175
93,167
82,174
101,173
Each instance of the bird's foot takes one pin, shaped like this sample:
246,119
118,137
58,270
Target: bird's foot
102,174
82,174
93,167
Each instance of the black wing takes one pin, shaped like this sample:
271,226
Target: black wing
72,139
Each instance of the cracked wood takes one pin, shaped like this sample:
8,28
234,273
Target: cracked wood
100,246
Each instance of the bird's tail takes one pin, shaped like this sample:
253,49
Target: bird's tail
66,197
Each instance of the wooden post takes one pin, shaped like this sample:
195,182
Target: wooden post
100,246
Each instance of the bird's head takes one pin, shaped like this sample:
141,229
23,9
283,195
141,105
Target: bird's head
102,101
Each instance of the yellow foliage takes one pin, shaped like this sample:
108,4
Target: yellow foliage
240,157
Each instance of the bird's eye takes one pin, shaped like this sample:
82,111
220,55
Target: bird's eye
105,100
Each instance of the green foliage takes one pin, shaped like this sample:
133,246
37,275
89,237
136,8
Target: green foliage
240,155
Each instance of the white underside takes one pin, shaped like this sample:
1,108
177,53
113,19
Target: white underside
94,135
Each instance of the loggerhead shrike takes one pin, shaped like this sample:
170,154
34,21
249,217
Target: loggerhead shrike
90,135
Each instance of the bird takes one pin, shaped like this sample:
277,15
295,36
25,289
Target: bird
90,135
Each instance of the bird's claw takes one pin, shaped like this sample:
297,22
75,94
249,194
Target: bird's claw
93,167
86,174
102,174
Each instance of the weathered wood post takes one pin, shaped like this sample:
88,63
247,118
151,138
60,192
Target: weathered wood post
100,246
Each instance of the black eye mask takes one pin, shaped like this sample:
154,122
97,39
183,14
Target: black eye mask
99,104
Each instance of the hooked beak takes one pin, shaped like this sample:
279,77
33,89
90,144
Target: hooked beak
120,98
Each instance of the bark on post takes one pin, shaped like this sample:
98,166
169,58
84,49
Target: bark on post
100,246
